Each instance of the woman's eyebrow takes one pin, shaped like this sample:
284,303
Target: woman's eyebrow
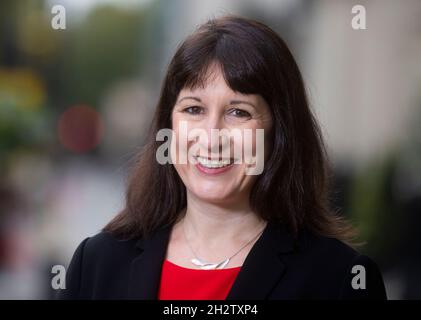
242,101
233,102
189,97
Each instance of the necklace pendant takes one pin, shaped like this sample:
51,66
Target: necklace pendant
210,266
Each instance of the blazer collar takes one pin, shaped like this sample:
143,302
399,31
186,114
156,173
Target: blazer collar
145,273
259,274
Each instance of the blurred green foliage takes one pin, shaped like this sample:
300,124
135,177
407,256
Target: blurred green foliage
108,46
374,205
45,71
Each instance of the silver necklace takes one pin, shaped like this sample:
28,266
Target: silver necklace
211,266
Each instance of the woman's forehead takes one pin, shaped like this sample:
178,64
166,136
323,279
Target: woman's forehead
215,86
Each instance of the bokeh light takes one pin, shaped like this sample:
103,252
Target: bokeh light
80,128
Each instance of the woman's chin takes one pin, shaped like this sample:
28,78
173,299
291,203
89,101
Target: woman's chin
213,196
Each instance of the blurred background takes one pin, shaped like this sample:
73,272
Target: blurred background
75,105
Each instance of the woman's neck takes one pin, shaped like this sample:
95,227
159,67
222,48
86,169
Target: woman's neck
216,223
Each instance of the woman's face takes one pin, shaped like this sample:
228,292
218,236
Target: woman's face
216,169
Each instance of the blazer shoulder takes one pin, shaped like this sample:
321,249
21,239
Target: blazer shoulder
358,274
329,247
107,241
96,258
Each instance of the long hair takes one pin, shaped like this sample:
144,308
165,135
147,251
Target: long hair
294,185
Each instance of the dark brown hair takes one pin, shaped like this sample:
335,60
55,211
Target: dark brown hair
293,187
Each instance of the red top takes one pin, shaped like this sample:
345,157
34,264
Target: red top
180,283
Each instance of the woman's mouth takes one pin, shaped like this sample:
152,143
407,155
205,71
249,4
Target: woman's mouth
213,166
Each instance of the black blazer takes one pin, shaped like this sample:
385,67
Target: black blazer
277,267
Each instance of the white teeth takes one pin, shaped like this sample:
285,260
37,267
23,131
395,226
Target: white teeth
208,163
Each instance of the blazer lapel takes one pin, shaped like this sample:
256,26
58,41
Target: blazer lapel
260,273
145,270
263,269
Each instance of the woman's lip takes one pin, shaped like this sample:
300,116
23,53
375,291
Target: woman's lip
215,158
213,171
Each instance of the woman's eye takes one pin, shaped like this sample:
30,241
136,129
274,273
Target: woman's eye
239,113
193,110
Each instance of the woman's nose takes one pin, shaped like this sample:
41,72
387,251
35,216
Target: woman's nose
213,126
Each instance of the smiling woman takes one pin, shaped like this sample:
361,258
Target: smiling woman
206,229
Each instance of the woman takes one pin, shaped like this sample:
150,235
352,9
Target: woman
211,227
